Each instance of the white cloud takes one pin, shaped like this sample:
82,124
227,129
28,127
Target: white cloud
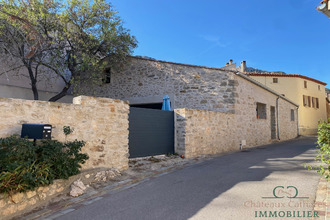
215,40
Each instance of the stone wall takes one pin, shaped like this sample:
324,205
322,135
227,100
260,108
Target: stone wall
287,129
19,204
22,202
147,81
102,123
199,132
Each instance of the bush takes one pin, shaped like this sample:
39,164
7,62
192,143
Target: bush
323,156
25,166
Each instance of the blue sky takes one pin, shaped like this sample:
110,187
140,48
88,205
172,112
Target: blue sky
282,35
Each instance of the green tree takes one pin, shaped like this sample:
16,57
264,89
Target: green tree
74,41
323,156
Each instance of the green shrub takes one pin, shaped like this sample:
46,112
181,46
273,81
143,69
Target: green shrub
323,156
24,166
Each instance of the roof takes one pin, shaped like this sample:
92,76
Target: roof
286,75
180,64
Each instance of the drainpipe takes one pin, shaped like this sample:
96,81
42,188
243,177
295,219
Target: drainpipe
278,128
297,122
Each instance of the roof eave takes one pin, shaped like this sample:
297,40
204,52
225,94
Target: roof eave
288,75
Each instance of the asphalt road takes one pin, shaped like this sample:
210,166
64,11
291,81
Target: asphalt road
230,187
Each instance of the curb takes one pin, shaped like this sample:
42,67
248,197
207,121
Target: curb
56,210
322,200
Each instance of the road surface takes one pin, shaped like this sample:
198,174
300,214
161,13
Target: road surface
237,186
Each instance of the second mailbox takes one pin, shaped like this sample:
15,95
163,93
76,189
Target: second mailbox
36,131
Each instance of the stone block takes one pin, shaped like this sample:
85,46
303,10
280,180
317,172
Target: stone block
22,206
10,210
30,194
17,198
32,201
2,203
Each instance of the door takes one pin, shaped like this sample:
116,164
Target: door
151,132
272,122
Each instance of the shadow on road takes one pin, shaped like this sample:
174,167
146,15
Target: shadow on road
197,185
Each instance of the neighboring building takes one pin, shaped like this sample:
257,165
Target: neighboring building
16,83
324,8
309,93
260,114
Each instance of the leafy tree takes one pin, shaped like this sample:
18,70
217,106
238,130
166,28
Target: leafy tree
323,156
74,41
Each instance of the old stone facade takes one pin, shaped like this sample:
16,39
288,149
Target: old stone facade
146,81
201,132
235,108
102,123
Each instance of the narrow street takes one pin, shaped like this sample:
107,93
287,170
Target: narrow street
237,186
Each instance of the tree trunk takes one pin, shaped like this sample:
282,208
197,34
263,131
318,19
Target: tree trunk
71,65
33,82
35,91
61,94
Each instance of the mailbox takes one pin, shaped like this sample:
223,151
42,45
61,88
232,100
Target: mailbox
36,131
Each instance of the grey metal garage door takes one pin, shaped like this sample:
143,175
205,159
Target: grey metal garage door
151,132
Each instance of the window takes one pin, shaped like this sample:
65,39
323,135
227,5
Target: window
317,102
107,76
275,80
307,100
313,102
292,115
319,87
261,111
305,84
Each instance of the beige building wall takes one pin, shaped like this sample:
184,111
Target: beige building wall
293,88
16,92
15,83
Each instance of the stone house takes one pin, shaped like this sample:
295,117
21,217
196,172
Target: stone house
309,93
254,114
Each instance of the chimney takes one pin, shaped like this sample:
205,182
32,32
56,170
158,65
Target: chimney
243,66
230,62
